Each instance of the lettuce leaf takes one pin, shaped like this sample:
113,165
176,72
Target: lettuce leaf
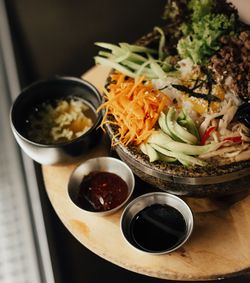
203,31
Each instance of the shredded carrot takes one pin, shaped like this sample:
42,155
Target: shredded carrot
135,106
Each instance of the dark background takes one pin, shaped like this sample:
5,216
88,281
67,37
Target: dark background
56,37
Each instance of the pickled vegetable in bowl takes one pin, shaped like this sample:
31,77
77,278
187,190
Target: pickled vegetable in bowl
59,121
55,121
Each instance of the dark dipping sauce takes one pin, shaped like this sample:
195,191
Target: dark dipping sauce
101,191
158,228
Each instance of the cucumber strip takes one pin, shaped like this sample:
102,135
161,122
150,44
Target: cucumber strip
184,134
191,125
142,67
160,138
123,57
190,149
170,117
180,156
114,65
148,150
112,47
117,54
184,163
161,42
137,58
157,70
178,132
165,141
163,125
148,72
118,51
137,48
104,54
181,116
165,158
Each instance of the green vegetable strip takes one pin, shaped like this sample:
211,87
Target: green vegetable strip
143,68
114,65
108,46
137,48
179,156
118,51
123,57
135,67
156,68
162,43
104,54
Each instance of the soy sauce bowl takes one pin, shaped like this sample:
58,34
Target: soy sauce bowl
157,223
97,165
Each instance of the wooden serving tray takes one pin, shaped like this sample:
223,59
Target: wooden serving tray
219,246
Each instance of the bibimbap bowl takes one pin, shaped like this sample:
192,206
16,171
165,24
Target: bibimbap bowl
177,104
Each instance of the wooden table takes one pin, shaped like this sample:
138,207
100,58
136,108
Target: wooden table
219,246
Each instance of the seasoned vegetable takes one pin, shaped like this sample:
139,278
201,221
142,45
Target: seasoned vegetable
135,106
203,31
207,134
59,121
177,131
134,60
186,160
163,140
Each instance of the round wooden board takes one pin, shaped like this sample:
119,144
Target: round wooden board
219,246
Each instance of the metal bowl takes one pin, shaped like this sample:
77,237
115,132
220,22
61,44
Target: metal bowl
103,164
146,200
179,180
42,91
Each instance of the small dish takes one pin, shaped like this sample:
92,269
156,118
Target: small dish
38,94
157,223
91,195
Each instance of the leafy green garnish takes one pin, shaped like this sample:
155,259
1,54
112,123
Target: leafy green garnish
200,8
203,31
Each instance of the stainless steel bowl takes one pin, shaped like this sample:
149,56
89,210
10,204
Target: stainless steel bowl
42,91
146,200
103,164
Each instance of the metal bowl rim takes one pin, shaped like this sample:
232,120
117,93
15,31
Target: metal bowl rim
56,79
183,203
111,211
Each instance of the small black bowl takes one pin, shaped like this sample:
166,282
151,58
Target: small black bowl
53,89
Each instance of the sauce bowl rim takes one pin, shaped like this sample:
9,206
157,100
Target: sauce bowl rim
56,79
189,225
130,188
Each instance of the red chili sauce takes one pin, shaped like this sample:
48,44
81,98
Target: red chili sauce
101,191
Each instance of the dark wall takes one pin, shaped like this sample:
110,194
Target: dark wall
57,36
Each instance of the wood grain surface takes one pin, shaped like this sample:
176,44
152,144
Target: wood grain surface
219,246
